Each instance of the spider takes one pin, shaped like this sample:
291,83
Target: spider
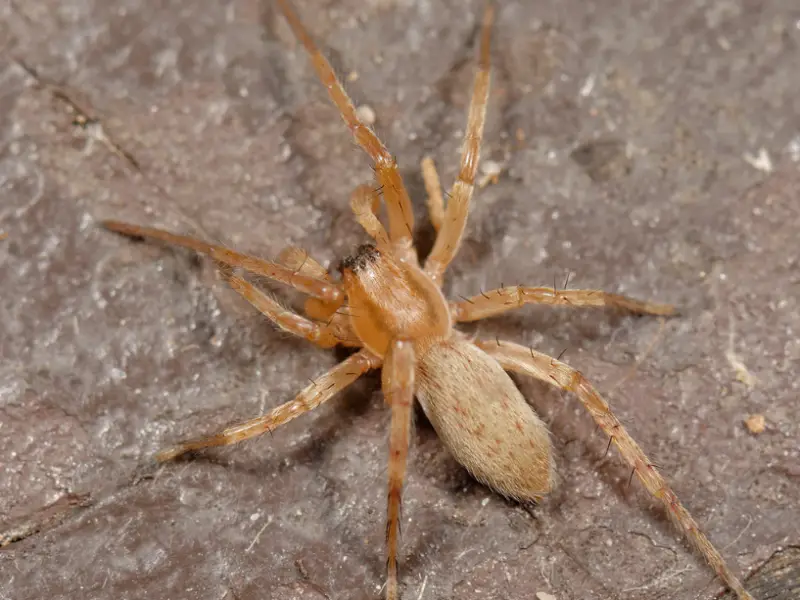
390,307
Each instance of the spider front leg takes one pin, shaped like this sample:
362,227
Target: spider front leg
514,357
495,302
398,204
327,294
449,237
324,290
397,381
324,335
321,389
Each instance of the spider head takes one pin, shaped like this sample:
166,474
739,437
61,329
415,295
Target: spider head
365,255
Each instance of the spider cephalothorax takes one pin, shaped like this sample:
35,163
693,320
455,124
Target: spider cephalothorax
390,298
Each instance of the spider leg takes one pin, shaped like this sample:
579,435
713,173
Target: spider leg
301,262
495,302
433,187
398,390
324,335
321,389
365,201
332,313
514,357
324,290
455,218
398,204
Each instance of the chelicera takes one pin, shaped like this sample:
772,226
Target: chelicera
390,307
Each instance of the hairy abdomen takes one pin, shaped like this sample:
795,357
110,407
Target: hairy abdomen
483,419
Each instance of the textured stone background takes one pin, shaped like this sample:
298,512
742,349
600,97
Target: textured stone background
649,148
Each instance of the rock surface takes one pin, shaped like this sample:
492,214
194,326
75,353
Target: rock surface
649,148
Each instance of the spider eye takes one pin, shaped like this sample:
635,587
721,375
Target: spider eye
366,254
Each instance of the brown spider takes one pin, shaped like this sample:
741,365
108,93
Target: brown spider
393,310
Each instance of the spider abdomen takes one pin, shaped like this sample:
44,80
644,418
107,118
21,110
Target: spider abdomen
482,418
